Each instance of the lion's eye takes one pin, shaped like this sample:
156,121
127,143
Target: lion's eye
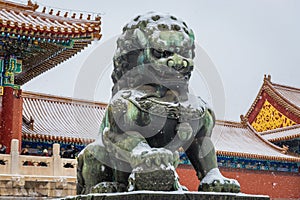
156,53
168,54
161,54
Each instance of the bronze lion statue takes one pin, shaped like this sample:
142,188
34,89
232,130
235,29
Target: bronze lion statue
151,115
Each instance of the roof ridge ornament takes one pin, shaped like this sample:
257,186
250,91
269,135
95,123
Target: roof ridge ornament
244,120
33,5
285,149
267,78
97,18
74,14
10,5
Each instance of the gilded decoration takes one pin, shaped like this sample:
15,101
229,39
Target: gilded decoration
270,118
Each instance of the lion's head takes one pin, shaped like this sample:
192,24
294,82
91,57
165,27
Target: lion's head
161,41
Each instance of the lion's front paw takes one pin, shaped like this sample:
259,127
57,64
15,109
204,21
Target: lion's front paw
153,169
216,182
152,158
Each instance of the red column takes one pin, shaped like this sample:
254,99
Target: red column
11,116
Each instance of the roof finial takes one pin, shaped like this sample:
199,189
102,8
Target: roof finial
34,6
74,15
44,10
58,13
66,14
267,78
89,17
244,120
97,18
29,3
80,16
285,149
51,12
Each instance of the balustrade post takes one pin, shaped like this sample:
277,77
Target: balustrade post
57,162
14,153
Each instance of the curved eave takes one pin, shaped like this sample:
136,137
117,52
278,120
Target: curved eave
59,139
277,148
230,124
282,134
47,25
58,99
13,5
255,156
30,72
285,138
51,32
241,140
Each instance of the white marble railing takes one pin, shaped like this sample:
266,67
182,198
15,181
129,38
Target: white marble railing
14,163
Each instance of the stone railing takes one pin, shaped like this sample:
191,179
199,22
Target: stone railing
22,175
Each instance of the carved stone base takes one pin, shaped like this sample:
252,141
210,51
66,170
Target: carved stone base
36,187
151,195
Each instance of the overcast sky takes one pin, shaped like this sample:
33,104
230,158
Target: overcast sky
240,40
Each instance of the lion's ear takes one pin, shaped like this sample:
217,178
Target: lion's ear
140,36
192,36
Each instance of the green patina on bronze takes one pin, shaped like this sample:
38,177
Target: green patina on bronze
151,115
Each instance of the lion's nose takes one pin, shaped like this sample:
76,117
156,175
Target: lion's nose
170,63
185,63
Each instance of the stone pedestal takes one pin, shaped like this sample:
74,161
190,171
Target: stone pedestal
150,195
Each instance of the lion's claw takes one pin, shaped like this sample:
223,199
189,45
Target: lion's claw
214,181
152,158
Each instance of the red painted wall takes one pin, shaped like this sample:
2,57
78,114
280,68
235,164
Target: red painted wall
275,184
11,117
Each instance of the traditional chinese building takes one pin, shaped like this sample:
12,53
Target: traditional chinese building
255,151
33,42
275,114
260,166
